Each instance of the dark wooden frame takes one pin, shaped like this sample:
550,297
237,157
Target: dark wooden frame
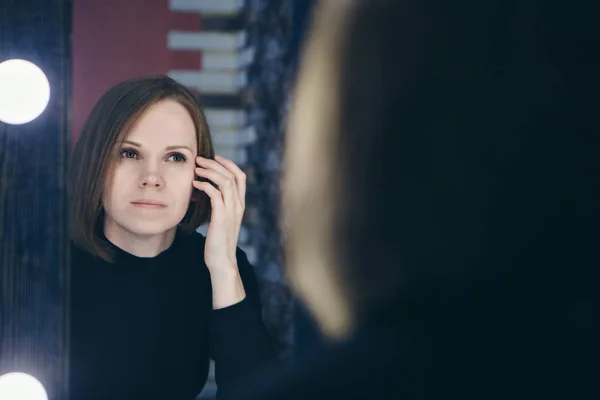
34,245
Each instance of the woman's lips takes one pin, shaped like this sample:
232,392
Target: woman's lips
152,205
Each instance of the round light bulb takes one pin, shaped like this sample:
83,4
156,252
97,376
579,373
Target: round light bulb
24,91
21,386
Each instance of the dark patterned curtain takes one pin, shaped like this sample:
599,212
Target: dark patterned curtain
271,77
280,27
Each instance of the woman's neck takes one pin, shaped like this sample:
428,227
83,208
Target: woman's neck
143,246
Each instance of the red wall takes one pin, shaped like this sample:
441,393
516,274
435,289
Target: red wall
114,40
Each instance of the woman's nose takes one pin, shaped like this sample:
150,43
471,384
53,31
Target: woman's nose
152,178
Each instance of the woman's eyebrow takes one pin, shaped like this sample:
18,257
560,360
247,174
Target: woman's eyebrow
174,147
136,144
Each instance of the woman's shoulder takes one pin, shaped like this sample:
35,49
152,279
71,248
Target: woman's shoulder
190,242
78,253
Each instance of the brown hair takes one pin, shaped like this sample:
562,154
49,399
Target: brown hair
94,155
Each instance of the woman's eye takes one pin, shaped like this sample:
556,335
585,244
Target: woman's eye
128,153
177,157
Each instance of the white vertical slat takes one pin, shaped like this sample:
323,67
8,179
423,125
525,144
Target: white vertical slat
208,7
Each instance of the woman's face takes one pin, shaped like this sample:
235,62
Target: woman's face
151,187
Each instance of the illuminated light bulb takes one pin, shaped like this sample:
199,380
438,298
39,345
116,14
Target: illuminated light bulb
21,386
24,91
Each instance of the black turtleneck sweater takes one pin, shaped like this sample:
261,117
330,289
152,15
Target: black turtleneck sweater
144,328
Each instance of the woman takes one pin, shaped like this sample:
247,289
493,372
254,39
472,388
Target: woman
440,201
152,300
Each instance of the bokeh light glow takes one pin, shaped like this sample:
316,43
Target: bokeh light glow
24,91
21,386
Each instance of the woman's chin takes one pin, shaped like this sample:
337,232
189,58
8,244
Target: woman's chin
145,228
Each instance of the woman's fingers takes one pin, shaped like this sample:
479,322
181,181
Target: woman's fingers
214,165
216,199
240,177
226,185
228,176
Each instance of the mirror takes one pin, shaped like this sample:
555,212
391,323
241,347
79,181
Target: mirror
236,58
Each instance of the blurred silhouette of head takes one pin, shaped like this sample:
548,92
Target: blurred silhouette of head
435,146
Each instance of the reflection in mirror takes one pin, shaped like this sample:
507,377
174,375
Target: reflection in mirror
174,255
